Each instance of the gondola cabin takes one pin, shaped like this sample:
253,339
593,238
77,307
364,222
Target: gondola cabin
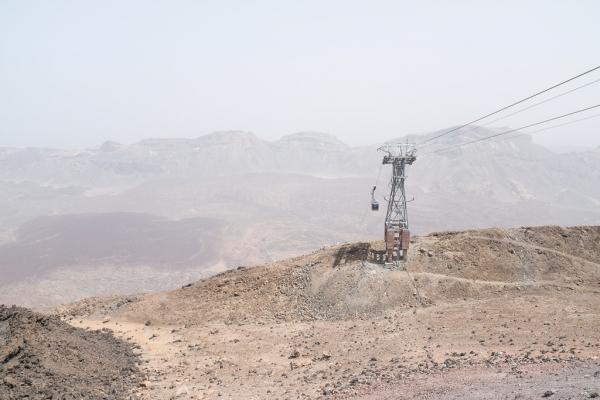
374,205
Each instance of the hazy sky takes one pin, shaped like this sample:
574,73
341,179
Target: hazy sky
76,73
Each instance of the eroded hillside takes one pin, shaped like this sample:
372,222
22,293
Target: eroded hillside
334,323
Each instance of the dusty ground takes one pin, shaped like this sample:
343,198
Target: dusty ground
566,380
42,357
478,314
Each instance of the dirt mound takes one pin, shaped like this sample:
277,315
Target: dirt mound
344,282
512,255
42,357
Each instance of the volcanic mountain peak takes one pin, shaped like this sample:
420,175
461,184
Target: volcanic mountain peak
324,139
229,137
110,146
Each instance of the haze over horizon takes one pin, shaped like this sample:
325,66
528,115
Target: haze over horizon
309,200
77,74
554,147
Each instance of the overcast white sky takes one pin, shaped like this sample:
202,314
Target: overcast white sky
76,73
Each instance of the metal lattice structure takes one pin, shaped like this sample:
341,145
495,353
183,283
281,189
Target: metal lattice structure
396,233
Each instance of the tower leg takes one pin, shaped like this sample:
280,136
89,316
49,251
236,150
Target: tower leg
389,244
404,243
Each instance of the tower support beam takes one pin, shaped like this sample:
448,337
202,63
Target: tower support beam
396,233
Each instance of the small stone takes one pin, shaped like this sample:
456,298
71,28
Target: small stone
327,391
10,382
548,393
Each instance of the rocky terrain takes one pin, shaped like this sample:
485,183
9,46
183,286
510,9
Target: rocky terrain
497,313
229,198
42,357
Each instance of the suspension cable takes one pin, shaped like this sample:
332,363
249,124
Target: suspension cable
511,130
509,106
472,127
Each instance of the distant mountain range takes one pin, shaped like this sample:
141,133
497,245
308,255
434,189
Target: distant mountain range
240,200
217,154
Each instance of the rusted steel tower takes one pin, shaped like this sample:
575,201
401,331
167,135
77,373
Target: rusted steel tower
396,233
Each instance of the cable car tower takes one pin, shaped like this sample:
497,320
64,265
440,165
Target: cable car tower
396,233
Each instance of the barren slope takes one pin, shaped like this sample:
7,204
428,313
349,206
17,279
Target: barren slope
340,282
334,323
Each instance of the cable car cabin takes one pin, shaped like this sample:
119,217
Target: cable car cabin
374,203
